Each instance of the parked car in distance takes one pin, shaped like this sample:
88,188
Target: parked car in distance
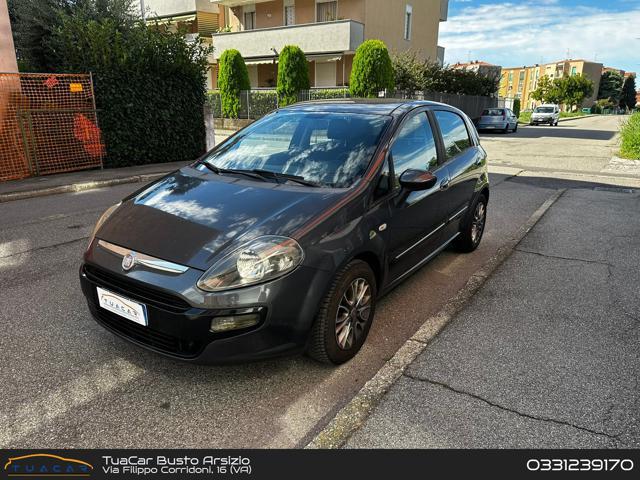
283,237
498,119
545,114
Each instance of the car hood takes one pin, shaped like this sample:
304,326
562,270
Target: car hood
192,217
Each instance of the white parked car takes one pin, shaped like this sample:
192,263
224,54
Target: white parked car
545,114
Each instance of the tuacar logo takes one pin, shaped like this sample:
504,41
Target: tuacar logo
46,464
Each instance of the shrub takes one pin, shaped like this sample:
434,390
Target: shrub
630,134
233,78
372,71
149,86
516,107
293,74
412,74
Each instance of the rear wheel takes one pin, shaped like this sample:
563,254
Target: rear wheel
473,226
515,129
345,315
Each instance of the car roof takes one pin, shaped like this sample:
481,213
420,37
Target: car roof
376,106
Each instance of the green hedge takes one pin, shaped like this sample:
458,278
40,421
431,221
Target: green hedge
372,71
516,107
149,87
233,77
630,135
293,74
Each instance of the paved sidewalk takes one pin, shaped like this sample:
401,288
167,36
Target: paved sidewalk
83,180
545,355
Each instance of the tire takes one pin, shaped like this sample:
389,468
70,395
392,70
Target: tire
515,128
468,240
329,345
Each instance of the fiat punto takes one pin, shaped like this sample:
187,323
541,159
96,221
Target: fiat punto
283,237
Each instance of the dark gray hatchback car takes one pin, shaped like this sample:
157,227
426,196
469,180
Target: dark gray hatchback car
282,238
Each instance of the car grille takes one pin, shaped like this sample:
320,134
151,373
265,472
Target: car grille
153,338
135,290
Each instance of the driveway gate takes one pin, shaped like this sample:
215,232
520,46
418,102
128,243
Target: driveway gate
48,124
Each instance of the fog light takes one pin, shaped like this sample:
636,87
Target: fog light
234,322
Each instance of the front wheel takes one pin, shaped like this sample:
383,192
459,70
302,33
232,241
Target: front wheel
345,315
472,227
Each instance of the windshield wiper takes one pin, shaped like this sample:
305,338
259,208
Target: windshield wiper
220,171
284,176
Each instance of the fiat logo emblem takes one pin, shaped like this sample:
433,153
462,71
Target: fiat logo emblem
128,262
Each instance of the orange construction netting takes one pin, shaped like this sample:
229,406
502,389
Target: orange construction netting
48,124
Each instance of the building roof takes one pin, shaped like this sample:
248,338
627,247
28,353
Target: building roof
476,62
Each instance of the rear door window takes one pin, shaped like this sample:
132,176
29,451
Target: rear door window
454,133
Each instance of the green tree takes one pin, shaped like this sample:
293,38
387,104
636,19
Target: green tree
547,91
610,86
628,97
372,71
293,74
35,22
574,89
409,71
233,78
149,83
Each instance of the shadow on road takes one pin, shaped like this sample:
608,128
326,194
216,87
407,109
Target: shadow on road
561,131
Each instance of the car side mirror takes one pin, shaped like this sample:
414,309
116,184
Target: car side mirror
417,180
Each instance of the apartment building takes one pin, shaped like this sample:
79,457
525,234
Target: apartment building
519,82
483,68
328,31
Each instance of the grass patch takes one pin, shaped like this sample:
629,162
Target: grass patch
630,135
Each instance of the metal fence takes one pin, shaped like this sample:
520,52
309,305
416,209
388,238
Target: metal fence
48,124
258,102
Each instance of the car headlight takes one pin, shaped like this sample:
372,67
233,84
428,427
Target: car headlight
103,218
261,260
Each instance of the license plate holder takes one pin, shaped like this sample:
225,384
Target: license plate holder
122,306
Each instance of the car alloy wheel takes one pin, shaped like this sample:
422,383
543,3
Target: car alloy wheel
477,224
345,315
353,313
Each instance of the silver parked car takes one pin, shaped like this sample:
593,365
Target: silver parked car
498,119
545,114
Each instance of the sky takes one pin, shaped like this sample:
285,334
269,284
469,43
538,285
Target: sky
513,33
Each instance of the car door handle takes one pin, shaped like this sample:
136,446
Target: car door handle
444,184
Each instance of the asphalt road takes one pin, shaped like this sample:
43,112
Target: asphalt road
580,146
69,383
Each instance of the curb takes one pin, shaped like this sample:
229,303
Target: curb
352,416
78,187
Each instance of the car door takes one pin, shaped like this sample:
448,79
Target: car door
464,160
416,217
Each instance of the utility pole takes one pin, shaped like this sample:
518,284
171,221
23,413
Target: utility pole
142,12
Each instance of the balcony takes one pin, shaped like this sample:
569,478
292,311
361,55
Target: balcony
313,38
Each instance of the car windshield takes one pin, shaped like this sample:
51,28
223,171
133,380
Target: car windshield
329,149
544,110
493,112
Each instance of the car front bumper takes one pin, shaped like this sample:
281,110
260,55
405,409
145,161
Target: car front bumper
541,120
179,314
